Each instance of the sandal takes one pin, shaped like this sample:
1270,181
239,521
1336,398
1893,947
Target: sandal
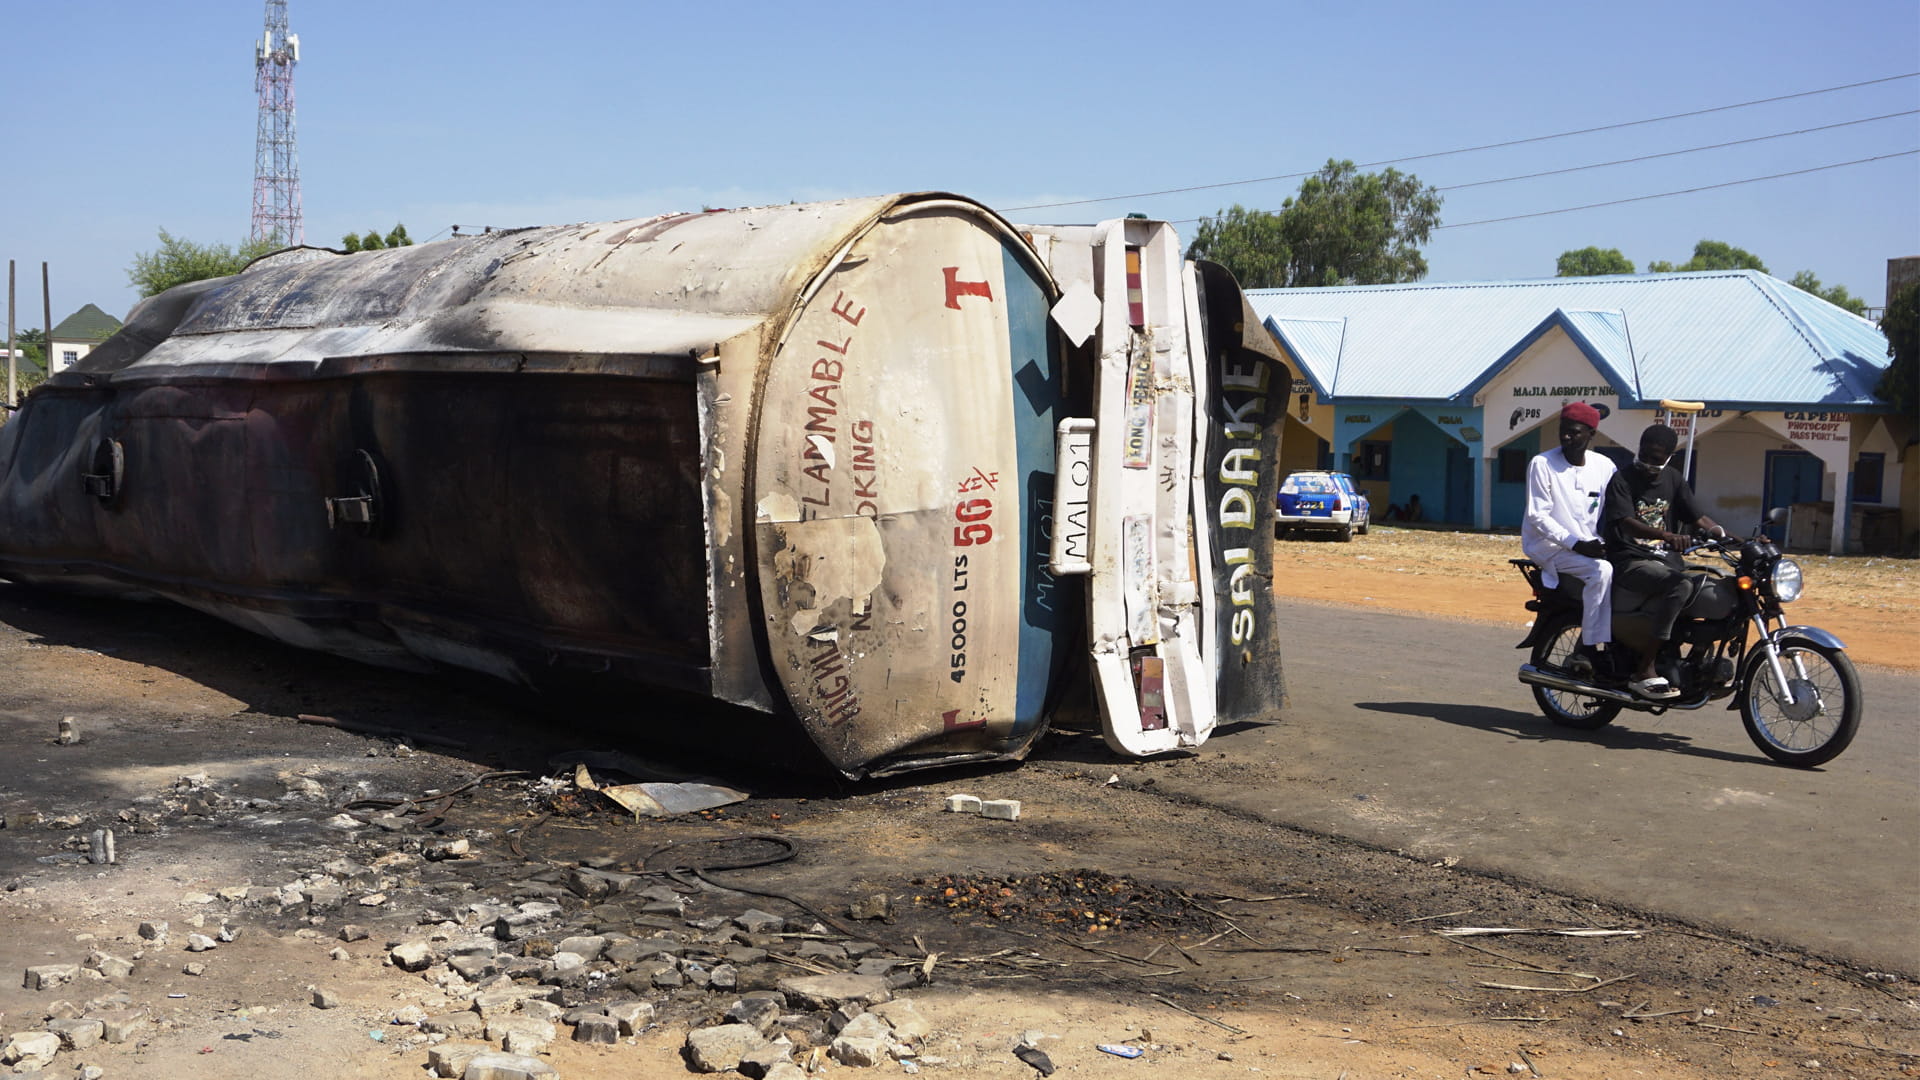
1654,689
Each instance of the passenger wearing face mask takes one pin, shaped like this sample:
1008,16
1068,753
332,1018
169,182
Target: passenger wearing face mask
1648,506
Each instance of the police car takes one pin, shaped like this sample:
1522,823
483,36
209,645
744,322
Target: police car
1321,500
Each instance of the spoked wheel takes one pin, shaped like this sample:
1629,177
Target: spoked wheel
1567,710
1817,716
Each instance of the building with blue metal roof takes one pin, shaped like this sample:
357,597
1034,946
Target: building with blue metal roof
1444,390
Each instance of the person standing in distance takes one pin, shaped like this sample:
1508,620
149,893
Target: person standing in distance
1647,506
1566,487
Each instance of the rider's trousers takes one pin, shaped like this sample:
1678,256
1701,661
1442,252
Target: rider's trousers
1663,584
1596,592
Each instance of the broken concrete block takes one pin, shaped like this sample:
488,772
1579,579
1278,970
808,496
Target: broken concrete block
867,1026
530,1032
761,1061
351,932
633,1017
585,947
113,967
78,1034
413,956
473,967
963,804
590,884
121,1025
862,1053
30,1048
877,906
100,848
154,931
804,1029
324,998
48,976
717,1049
755,921
529,1043
454,1025
828,991
195,969
785,1070
496,1066
604,1030
1001,809
907,1023
440,850
759,1012
723,977
200,943
449,1060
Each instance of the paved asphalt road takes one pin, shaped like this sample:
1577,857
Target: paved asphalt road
1413,733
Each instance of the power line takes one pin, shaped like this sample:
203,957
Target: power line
1683,191
1674,153
1472,149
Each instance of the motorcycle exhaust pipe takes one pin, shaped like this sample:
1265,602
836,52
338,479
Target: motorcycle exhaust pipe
1553,680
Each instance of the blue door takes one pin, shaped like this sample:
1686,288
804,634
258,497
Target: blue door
1459,502
1793,476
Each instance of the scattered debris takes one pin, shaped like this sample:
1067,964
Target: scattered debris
668,800
1000,809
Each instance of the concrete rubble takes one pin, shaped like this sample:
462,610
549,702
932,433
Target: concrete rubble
517,957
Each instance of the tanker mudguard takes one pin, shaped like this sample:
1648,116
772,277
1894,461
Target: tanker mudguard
800,459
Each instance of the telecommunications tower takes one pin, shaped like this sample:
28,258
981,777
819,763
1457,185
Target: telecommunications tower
276,161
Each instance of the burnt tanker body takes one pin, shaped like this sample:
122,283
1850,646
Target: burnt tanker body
888,469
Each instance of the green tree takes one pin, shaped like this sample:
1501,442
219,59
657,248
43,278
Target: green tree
179,261
1248,242
1593,262
1900,385
32,343
31,369
1838,295
373,241
1712,255
1345,227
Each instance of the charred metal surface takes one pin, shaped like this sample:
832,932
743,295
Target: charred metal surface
1243,454
795,458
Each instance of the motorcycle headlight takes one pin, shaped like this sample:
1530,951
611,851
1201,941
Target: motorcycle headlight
1787,583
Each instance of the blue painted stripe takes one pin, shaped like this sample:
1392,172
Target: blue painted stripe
1035,408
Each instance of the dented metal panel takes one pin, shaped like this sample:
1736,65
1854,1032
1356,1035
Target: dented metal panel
904,479
795,458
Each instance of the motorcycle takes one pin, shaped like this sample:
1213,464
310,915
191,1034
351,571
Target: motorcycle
1797,692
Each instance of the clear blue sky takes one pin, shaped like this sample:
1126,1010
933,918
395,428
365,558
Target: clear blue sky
124,117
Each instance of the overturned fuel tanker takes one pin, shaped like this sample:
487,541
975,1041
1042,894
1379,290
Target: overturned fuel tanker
888,469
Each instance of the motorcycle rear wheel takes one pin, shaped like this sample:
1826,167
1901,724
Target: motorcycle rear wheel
1556,644
1822,713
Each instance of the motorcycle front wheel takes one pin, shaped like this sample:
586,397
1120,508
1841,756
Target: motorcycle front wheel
1556,644
1818,715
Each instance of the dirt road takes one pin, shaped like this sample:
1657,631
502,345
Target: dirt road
1107,914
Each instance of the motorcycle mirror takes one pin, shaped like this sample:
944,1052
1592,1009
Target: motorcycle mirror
1776,515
